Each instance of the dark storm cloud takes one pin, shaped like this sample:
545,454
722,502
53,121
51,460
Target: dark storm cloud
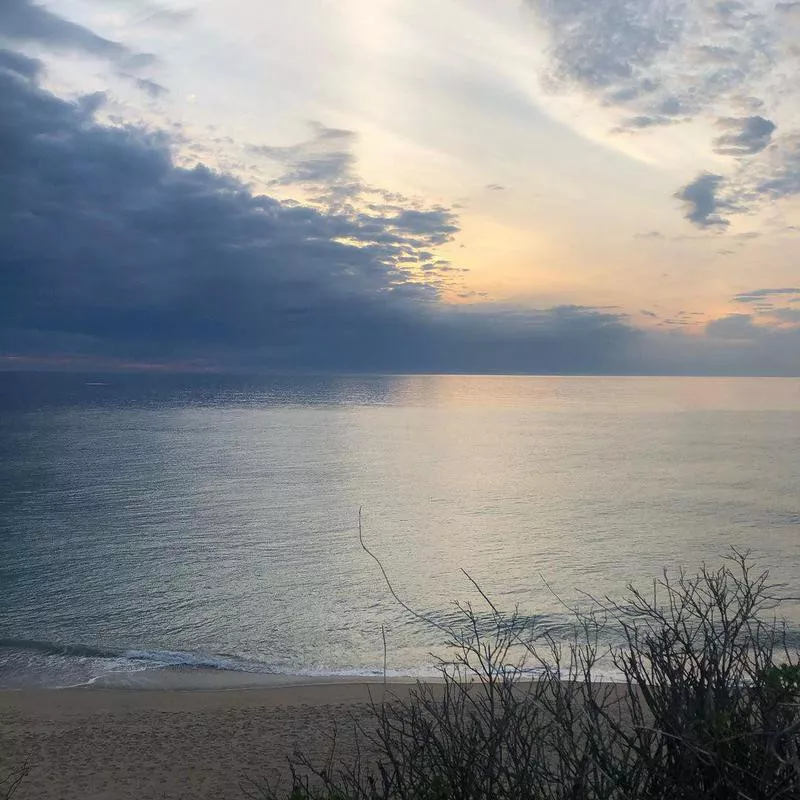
26,21
702,202
744,136
110,250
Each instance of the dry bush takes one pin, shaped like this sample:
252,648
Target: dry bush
708,707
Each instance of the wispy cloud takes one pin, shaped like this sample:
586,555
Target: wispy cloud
148,86
757,295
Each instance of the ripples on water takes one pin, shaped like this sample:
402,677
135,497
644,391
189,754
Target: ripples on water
213,522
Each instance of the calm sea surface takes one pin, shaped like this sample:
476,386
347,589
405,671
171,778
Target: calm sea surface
155,521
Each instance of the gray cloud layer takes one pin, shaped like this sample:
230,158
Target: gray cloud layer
108,249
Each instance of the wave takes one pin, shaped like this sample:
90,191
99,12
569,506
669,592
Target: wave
107,660
155,658
29,661
171,658
57,649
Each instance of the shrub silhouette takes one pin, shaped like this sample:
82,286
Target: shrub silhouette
708,705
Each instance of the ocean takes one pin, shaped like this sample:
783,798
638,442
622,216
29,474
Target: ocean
152,522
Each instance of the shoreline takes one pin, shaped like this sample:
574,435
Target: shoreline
192,679
52,703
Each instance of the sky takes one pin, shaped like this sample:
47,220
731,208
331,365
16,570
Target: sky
502,186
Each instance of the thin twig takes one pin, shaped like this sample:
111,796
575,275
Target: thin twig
402,603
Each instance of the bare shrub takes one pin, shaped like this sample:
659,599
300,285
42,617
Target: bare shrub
708,705
12,780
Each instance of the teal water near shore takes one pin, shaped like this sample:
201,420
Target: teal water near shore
210,523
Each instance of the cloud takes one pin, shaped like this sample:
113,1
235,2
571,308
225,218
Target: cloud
110,251
149,87
789,315
26,21
17,64
660,59
643,121
745,136
606,46
323,168
776,325
733,345
769,331
733,326
436,224
761,182
759,294
158,13
702,202
780,175
324,163
495,187
652,63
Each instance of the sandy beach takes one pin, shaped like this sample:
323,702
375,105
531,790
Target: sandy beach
115,744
